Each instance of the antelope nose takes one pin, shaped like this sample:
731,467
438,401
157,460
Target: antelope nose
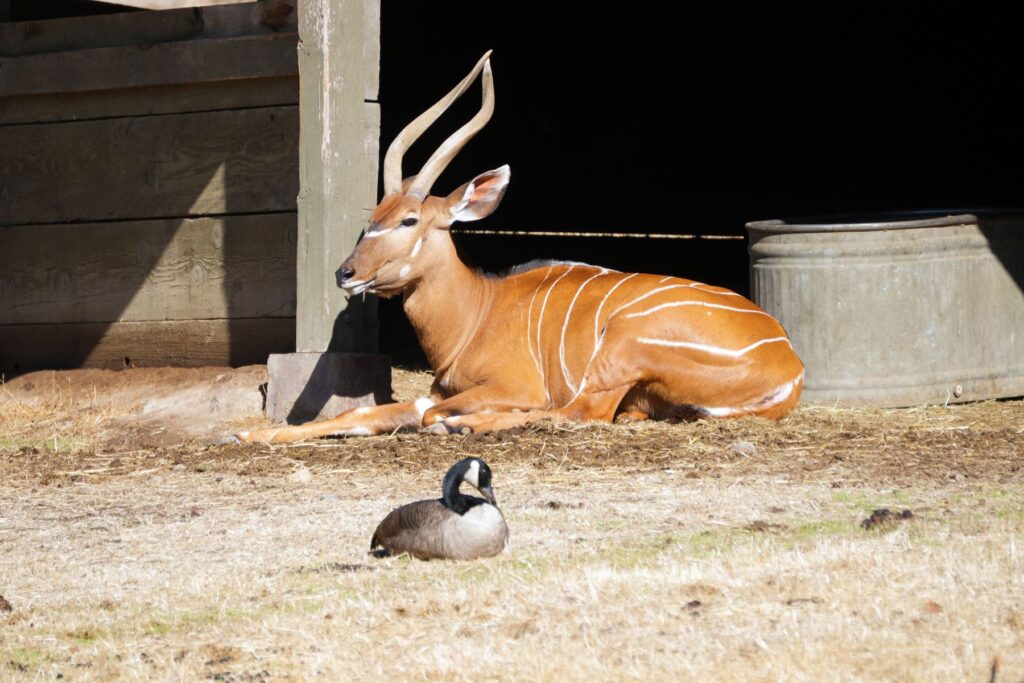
344,273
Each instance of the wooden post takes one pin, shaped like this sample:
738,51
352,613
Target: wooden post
339,122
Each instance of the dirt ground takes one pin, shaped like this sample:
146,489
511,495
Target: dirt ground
131,549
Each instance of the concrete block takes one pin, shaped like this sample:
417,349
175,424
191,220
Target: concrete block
311,386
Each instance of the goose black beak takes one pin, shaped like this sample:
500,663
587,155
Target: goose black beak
488,494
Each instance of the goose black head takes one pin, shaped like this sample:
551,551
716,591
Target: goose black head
474,472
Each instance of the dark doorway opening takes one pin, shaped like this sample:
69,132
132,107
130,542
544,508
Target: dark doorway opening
639,120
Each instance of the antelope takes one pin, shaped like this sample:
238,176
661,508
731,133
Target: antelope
550,340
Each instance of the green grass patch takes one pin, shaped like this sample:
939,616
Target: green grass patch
22,659
631,557
823,528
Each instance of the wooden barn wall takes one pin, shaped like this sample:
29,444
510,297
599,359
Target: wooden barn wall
148,182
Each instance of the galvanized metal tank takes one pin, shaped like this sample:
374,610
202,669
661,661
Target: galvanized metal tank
898,309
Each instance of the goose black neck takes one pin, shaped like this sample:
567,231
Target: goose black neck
452,498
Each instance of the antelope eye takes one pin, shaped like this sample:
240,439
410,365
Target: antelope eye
409,222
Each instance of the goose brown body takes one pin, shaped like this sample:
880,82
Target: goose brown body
455,526
428,530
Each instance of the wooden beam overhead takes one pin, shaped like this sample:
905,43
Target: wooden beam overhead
172,4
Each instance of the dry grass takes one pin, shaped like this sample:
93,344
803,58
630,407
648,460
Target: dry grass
724,551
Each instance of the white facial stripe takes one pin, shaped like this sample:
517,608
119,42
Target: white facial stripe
473,474
422,405
416,248
597,316
705,304
404,270
715,350
370,234
565,326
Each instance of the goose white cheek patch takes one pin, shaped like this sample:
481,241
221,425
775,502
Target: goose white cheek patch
473,474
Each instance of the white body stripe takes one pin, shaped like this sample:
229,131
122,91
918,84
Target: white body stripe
529,320
706,304
704,288
773,399
649,294
715,350
565,326
659,290
597,316
540,319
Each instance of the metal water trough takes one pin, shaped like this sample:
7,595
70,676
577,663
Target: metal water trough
898,309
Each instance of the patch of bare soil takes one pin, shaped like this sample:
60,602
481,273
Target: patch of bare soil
132,413
124,409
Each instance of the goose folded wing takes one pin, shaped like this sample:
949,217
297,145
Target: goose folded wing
415,528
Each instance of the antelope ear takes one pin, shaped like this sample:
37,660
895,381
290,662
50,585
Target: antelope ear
479,197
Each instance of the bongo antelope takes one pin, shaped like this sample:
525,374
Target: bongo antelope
550,340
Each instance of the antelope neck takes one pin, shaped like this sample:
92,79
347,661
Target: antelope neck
446,306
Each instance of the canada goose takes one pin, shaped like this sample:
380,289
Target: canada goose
456,526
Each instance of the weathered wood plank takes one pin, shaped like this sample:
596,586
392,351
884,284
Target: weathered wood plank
194,343
371,49
140,28
120,169
132,66
168,99
338,175
231,267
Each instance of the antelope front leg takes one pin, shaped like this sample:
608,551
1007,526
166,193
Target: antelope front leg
480,400
356,422
587,407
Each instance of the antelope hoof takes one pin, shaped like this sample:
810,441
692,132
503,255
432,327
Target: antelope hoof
447,427
258,436
455,426
438,427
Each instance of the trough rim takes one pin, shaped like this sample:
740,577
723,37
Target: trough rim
856,222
